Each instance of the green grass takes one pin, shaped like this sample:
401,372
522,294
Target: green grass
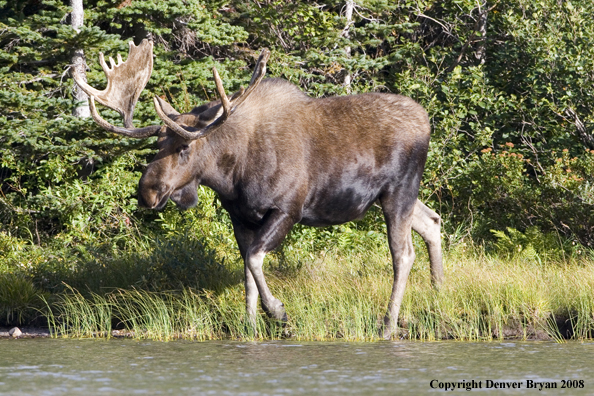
336,296
19,298
92,319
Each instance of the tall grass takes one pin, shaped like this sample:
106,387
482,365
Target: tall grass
19,298
73,315
344,297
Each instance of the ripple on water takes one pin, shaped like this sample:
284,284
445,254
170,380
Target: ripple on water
58,367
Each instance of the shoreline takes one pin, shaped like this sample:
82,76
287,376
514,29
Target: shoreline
27,332
517,333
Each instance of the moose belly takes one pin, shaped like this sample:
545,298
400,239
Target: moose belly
337,207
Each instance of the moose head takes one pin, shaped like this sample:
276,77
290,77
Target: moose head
172,173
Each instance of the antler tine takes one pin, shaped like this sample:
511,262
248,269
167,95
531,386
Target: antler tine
125,80
221,90
259,72
139,133
260,69
185,132
229,106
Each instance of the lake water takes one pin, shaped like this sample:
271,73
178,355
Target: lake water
128,367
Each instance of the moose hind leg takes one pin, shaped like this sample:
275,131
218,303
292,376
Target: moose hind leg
427,224
398,217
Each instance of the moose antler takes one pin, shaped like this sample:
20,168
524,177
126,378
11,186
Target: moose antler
228,106
125,82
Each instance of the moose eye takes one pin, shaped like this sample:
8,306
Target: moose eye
181,148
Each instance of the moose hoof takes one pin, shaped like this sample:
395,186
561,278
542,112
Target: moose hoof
387,330
251,326
276,310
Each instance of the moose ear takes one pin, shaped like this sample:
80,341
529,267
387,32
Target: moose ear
211,111
168,109
198,110
237,94
200,116
202,108
211,114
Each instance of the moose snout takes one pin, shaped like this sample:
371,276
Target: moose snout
152,196
141,200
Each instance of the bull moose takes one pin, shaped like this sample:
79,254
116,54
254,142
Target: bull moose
277,157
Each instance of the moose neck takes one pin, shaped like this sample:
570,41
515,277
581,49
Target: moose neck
219,159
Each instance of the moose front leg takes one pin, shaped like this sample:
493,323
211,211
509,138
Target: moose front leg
251,296
244,237
276,225
273,307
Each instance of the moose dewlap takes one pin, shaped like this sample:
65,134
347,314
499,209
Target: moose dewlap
277,157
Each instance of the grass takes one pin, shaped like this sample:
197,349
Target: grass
334,296
489,298
19,298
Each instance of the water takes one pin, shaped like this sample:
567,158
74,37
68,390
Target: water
92,367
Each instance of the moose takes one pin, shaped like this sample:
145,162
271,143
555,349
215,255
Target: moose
277,157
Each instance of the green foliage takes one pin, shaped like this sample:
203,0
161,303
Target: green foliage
529,245
63,179
20,300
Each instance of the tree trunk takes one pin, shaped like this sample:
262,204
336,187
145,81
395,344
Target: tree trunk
350,6
481,52
81,107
